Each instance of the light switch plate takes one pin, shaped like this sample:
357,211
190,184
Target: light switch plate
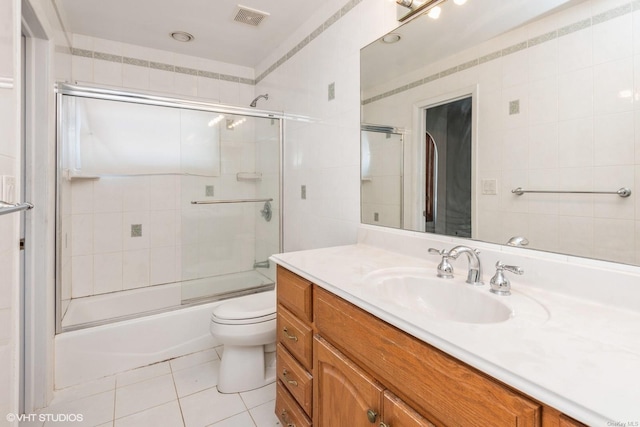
490,187
8,189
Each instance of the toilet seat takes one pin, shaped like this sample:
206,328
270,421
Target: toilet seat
255,308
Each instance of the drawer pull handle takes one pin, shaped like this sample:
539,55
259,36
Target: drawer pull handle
288,335
285,417
292,382
383,424
372,415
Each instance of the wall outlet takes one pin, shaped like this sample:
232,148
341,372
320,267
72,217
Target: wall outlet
303,192
8,189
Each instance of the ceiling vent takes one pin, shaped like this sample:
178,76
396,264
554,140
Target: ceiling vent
249,16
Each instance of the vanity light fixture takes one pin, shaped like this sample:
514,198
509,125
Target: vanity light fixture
416,6
459,2
215,121
232,124
182,36
434,13
391,38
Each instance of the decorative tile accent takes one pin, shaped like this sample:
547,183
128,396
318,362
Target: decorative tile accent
82,52
515,48
107,57
576,26
208,74
490,57
613,13
514,107
543,38
184,70
467,65
449,71
161,66
63,49
135,61
332,20
136,230
229,78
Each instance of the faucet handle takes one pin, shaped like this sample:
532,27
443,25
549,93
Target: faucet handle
445,269
500,284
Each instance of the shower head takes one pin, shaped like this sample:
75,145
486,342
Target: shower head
255,101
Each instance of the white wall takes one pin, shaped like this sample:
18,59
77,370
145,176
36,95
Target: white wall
9,224
322,150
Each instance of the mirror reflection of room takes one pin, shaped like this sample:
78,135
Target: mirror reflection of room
552,122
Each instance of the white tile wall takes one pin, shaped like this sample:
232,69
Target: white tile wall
576,129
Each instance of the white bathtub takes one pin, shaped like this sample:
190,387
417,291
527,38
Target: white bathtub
92,353
95,352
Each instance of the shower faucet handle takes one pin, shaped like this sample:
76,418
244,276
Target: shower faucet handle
445,269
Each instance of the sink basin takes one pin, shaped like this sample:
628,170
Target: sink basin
419,290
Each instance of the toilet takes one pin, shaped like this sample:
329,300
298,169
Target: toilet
246,326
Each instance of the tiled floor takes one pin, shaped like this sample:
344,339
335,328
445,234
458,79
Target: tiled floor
178,393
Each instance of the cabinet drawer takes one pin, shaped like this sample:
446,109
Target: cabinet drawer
295,378
288,411
295,336
294,292
435,384
397,413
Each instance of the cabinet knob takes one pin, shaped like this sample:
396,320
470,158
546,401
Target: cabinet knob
288,335
372,415
383,424
292,382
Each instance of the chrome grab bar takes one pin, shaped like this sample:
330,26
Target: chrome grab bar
7,208
622,192
214,202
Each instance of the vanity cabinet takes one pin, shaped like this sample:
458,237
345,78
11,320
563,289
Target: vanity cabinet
339,365
345,395
294,349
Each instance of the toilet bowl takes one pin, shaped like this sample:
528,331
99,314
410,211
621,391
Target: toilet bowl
246,326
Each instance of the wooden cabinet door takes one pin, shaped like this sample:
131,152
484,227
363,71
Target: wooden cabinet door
343,394
396,413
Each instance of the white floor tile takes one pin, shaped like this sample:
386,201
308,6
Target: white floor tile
80,391
264,415
193,359
196,378
142,374
167,415
95,410
210,406
259,396
144,395
240,420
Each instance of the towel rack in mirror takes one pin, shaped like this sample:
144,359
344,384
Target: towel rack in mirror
7,208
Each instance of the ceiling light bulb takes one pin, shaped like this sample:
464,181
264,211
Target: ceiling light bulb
435,12
459,2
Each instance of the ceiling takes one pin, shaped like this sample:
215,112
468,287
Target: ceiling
216,35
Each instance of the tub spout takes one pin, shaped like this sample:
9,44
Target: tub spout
261,264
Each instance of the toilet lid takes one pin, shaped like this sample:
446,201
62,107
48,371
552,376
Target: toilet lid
255,306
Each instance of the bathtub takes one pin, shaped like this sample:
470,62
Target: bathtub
87,354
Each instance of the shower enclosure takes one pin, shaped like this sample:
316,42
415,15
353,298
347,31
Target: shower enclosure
162,203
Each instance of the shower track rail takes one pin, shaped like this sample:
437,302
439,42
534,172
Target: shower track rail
214,202
7,208
622,192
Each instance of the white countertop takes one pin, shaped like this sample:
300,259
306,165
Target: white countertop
582,359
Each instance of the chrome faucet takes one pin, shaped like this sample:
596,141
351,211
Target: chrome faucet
475,268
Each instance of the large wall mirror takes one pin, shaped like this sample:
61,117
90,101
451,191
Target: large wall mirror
500,120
